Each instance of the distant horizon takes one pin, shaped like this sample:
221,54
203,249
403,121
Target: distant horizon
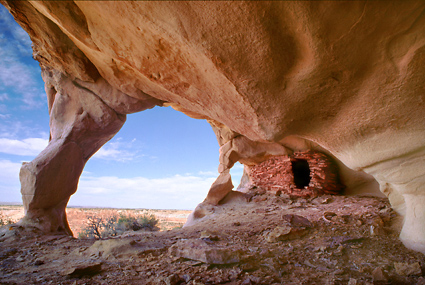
160,159
96,207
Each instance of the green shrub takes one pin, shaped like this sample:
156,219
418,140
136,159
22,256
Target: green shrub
98,227
5,220
148,222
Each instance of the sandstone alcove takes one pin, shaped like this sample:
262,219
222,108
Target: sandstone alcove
272,78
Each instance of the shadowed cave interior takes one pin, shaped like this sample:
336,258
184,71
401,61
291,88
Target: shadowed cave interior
301,171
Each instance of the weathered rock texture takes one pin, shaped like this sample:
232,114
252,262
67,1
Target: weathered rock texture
344,78
304,174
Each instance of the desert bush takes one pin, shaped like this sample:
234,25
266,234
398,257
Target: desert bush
98,227
147,222
4,220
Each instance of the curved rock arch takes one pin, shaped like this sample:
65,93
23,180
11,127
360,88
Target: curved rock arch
346,77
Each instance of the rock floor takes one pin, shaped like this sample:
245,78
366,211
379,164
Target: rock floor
270,240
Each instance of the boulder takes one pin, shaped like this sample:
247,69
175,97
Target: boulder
207,252
406,269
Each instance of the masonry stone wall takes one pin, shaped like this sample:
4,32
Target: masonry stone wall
276,175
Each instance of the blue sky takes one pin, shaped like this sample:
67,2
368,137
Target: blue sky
160,159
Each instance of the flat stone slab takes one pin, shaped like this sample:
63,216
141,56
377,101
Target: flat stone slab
201,250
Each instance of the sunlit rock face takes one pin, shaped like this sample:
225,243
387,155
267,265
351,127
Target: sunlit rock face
343,78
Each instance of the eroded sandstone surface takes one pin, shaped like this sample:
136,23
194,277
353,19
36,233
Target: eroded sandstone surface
272,78
271,240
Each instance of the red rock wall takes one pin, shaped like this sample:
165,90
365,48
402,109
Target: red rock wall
276,174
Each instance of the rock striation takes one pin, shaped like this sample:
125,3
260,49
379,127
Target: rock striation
272,78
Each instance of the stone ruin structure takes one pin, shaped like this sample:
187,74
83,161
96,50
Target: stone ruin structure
303,174
272,78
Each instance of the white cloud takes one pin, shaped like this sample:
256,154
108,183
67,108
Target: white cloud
9,170
118,150
209,173
3,108
17,34
175,192
238,166
16,74
115,150
12,127
27,147
4,97
21,79
23,39
9,177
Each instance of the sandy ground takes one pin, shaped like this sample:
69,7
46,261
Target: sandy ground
270,240
77,217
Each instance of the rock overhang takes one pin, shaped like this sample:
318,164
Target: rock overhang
270,77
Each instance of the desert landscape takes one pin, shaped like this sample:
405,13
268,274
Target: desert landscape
322,102
266,239
77,217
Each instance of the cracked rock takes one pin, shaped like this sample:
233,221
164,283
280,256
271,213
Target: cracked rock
201,250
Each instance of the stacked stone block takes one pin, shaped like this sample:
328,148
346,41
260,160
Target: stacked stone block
276,175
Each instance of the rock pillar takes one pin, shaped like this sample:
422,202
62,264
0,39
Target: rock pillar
233,148
80,123
402,179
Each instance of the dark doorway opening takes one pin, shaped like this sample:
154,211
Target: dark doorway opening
301,171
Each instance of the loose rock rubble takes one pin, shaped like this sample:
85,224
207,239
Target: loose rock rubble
271,77
275,240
